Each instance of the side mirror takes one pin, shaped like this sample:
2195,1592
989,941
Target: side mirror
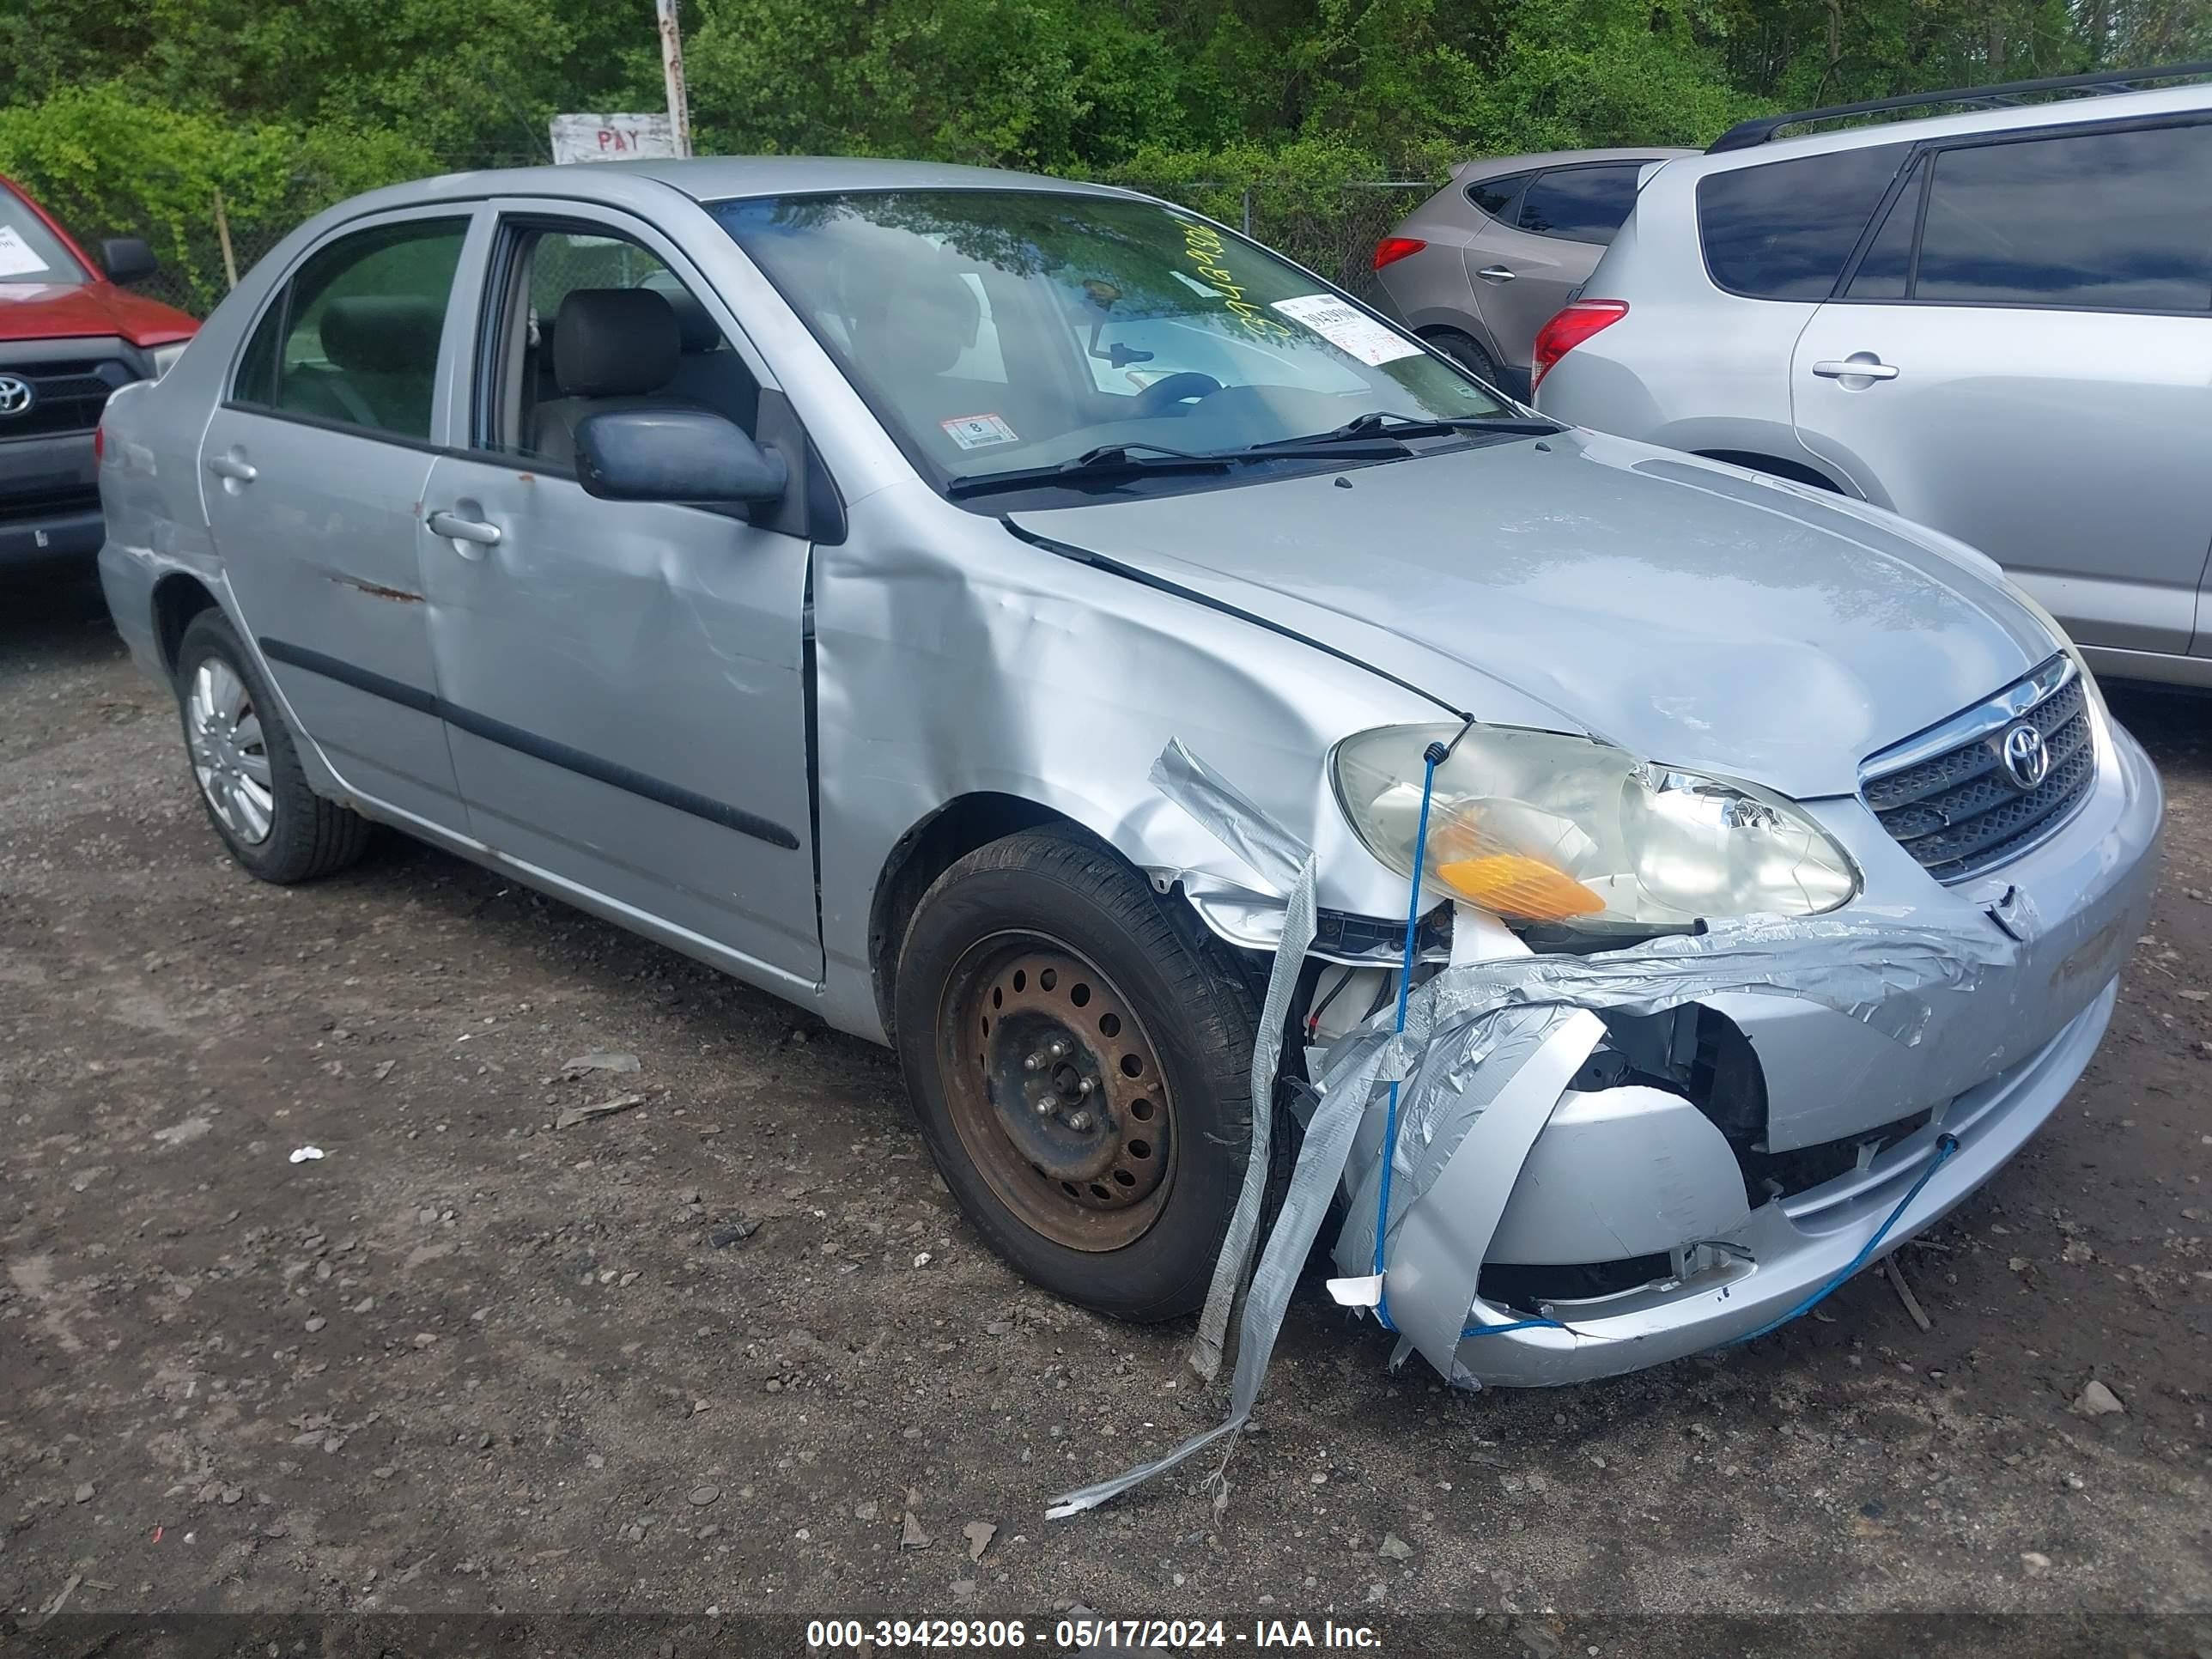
127,258
674,455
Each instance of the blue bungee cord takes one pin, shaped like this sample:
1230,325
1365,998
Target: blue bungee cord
1434,756
1946,1143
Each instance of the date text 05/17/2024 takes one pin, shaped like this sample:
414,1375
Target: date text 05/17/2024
1089,1635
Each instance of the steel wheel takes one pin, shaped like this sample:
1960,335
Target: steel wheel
1057,1092
230,754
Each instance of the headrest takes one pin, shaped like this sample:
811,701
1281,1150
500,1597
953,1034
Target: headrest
916,318
382,333
614,342
694,330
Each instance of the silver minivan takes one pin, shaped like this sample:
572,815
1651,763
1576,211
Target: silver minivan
1998,323
829,568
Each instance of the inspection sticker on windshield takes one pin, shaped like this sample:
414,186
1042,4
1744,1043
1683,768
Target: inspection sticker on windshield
978,431
16,258
1347,328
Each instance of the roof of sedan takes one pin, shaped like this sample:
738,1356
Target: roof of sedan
718,177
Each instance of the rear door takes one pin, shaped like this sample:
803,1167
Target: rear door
623,680
312,475
2022,357
1531,258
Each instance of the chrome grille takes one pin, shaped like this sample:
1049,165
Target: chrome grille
1947,796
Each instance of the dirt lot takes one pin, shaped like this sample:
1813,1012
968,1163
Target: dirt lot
468,1361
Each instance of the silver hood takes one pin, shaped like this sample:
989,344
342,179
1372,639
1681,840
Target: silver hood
1692,615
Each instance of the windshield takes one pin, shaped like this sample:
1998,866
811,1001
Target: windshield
996,331
29,252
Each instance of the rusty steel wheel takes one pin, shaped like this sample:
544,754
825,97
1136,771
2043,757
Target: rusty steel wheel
1056,1091
1079,1050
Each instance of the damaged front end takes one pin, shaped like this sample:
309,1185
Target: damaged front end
1560,1164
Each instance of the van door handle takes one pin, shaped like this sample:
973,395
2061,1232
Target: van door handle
454,529
1860,366
233,466
1497,274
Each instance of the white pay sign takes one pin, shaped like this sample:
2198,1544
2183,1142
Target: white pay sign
611,137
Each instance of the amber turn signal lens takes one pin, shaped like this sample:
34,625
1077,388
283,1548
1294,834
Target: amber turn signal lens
1511,885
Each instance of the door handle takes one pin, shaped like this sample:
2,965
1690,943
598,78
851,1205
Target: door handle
233,467
1497,274
1860,366
456,529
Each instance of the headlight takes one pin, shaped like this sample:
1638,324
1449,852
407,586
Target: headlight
1534,826
165,357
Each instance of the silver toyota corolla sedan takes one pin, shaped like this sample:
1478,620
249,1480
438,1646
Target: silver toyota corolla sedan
807,564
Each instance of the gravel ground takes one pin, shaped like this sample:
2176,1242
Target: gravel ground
734,1347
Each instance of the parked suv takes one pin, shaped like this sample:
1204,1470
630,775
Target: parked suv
1477,268
1998,323
68,337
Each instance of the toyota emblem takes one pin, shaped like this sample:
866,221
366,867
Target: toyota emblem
15,396
2026,760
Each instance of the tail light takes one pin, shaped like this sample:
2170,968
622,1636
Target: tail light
99,444
1568,329
1391,249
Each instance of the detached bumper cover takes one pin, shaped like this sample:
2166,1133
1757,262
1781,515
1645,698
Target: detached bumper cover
1800,1243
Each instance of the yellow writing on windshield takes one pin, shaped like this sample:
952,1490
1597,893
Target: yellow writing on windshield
1209,253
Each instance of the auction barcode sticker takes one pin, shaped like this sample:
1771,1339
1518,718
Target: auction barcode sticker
1347,328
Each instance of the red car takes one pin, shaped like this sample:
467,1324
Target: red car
68,336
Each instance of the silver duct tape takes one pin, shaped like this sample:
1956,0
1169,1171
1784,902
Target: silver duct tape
1231,815
1468,1022
1281,858
1229,1267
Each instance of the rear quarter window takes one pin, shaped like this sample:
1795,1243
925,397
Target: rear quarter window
1782,230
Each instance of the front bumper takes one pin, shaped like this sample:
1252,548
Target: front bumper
49,504
1799,1243
1991,1065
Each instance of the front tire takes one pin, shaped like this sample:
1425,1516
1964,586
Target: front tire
247,767
1077,1050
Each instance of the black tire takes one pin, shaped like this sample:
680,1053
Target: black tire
1174,1013
307,836
1468,352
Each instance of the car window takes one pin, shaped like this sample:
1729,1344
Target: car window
2105,219
997,330
1887,266
1580,204
595,321
29,252
1782,230
353,338
1495,196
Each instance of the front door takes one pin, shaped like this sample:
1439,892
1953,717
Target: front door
311,471
623,682
2023,358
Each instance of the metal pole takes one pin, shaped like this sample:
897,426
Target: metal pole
672,68
222,233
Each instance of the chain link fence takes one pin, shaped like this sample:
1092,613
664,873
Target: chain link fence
1330,229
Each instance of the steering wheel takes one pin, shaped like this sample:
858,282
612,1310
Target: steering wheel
1183,387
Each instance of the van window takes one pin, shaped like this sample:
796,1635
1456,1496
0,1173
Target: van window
1886,267
1580,204
1782,231
2116,220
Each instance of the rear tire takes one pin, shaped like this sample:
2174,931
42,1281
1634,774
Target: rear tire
1468,353
246,766
1078,1050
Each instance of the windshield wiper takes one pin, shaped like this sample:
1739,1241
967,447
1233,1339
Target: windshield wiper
1132,459
1386,423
